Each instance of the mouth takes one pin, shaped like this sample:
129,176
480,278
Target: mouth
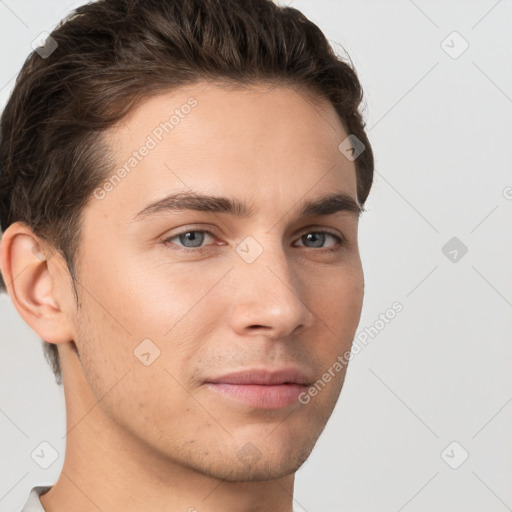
261,388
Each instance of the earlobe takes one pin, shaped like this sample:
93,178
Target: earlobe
31,285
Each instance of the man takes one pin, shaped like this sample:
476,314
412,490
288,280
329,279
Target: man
180,192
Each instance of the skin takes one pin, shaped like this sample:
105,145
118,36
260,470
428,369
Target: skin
155,437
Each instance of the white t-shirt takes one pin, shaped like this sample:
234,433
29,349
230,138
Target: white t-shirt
33,503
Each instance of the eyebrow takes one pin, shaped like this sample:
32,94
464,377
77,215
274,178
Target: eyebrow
325,205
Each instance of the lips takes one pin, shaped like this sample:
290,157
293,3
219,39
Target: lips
264,377
261,388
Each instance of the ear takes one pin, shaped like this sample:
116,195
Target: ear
33,286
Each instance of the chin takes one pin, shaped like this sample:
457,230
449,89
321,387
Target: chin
258,460
271,468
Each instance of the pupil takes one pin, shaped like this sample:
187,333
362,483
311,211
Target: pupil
193,236
319,239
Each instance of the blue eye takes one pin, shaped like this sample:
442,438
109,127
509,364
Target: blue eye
195,237
192,240
318,238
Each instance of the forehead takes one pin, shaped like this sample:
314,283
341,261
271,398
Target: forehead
265,143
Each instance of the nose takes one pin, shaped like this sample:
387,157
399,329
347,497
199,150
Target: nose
269,296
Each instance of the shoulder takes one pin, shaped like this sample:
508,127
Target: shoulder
33,503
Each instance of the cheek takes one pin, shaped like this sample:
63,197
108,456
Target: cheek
340,303
338,310
157,314
127,389
147,300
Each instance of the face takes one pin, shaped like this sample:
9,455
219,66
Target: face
204,323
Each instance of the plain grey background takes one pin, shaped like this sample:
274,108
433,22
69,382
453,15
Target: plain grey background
424,419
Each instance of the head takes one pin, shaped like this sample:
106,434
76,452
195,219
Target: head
108,145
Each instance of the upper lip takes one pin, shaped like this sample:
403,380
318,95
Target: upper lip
263,376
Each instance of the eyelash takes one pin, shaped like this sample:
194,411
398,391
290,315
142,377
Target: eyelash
340,241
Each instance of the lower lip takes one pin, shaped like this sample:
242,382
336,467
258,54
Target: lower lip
261,396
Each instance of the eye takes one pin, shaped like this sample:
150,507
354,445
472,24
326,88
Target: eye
193,240
190,239
317,239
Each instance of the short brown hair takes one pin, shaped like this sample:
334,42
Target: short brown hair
111,54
